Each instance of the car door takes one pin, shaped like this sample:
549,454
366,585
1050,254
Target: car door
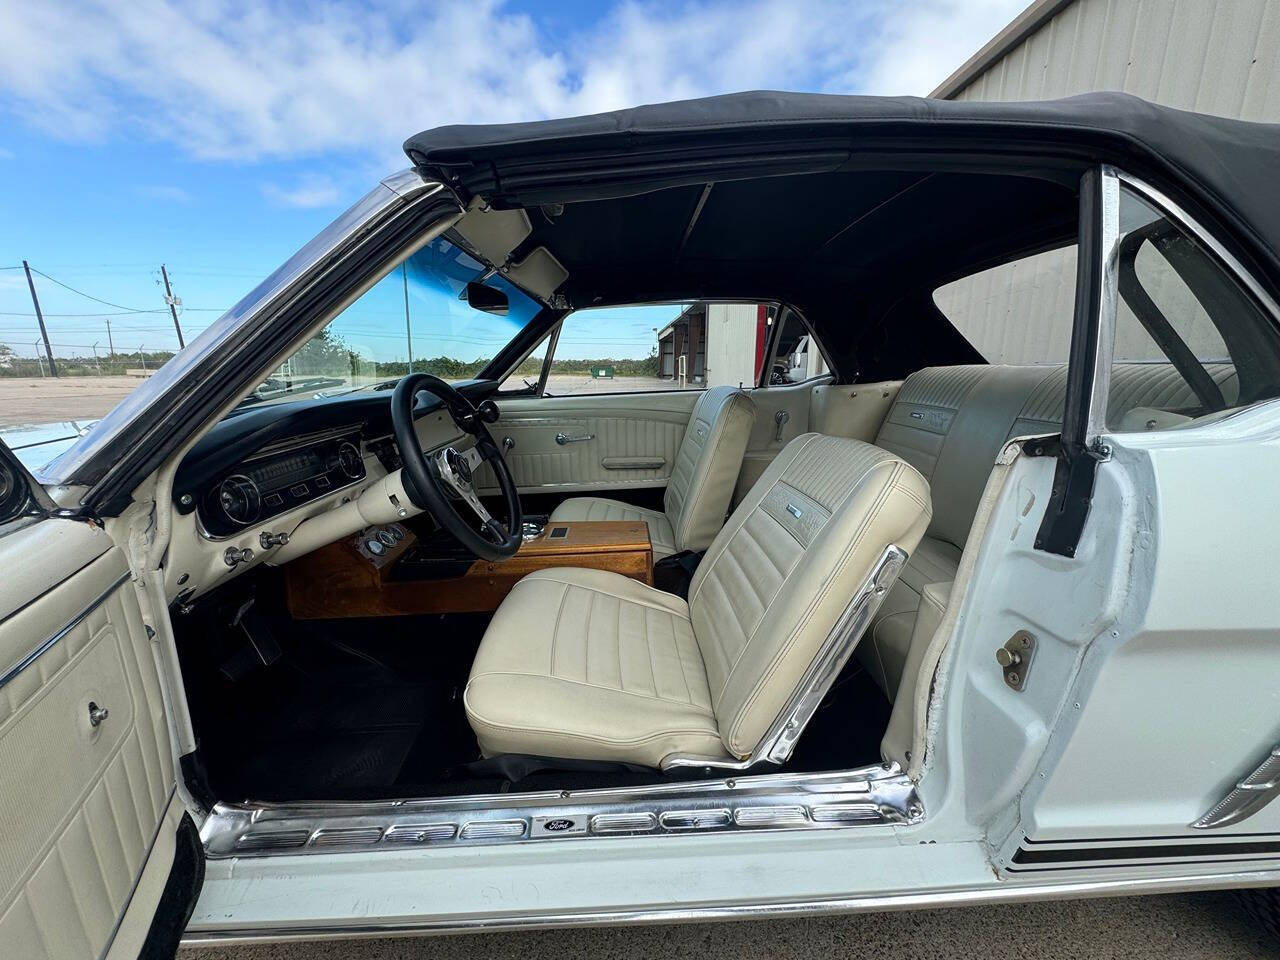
616,389
94,838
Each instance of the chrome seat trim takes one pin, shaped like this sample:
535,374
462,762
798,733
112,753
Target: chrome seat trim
783,734
869,796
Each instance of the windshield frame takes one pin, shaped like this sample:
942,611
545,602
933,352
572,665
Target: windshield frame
135,437
436,277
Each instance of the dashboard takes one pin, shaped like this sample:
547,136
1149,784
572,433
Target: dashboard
281,477
271,482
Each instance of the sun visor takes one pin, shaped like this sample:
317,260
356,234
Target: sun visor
494,233
539,272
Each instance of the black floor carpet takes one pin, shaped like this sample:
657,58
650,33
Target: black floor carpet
372,709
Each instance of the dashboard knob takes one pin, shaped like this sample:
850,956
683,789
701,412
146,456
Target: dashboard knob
269,539
488,411
235,555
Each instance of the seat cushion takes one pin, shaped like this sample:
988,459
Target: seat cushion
885,651
588,664
600,508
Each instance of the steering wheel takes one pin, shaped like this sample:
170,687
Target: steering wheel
441,482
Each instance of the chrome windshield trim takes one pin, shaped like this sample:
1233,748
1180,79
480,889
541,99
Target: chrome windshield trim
49,642
173,380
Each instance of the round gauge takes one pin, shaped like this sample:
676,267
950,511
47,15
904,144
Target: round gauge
350,462
374,547
239,498
387,537
396,533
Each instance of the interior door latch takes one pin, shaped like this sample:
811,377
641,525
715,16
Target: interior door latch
1015,659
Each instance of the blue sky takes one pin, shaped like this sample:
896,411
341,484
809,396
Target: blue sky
217,136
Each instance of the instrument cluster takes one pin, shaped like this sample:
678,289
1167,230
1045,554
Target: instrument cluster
275,480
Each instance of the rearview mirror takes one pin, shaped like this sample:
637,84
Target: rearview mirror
481,297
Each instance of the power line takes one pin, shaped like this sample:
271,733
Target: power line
89,296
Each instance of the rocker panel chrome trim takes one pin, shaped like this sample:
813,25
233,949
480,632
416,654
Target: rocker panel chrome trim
994,892
869,796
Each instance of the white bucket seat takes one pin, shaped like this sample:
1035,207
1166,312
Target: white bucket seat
591,665
702,479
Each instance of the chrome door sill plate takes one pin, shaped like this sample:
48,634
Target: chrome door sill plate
870,796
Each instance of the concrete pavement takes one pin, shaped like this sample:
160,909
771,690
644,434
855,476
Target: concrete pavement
1186,927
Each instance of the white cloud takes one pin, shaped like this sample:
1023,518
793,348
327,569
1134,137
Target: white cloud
310,191
245,80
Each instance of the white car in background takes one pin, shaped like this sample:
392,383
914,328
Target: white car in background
441,652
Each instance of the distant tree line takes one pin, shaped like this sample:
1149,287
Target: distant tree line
325,354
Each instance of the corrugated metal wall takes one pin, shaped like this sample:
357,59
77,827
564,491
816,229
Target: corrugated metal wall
1212,56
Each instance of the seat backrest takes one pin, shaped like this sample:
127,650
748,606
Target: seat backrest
950,422
779,575
707,465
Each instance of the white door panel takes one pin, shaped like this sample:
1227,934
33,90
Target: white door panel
769,434
852,410
80,803
632,440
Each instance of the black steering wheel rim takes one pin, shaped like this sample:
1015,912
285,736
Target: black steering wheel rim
441,483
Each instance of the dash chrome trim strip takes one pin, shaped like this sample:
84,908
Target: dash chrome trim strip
46,645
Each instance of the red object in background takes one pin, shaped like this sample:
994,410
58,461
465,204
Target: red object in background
761,317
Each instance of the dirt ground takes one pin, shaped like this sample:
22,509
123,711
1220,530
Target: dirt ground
34,400
31,400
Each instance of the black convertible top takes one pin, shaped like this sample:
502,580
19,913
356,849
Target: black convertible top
853,209
1231,163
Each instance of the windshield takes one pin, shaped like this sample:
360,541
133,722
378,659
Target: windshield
414,320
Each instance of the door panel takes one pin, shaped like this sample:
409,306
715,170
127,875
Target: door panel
81,803
769,434
852,410
633,439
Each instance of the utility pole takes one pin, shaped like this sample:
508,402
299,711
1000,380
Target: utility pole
39,360
53,367
408,332
173,302
111,347
96,362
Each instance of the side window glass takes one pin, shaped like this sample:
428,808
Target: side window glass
1190,342
797,357
524,378
658,347
1019,312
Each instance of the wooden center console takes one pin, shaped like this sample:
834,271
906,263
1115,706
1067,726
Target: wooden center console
348,579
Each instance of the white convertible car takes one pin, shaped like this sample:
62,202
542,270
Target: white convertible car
978,603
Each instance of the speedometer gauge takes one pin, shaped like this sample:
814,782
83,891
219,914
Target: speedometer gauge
239,498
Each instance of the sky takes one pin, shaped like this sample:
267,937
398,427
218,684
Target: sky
217,136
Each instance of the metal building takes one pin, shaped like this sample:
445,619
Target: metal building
1211,56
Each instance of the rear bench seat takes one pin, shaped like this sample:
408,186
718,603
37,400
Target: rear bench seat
950,423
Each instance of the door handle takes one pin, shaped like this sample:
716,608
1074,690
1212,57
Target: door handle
780,421
563,438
